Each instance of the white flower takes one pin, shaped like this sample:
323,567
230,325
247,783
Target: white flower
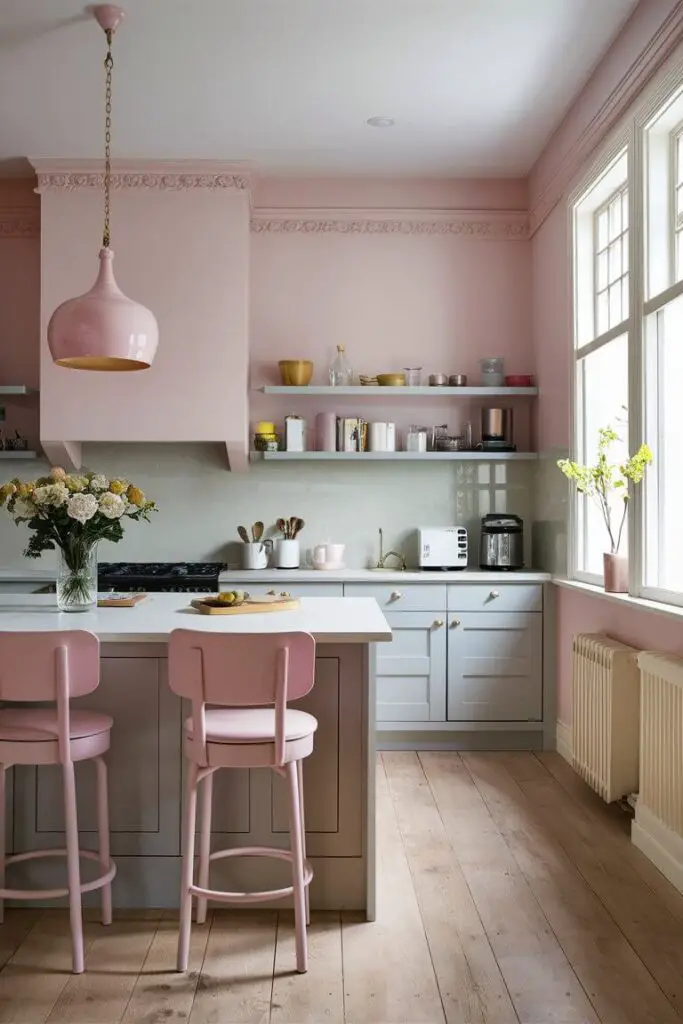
112,505
51,494
99,482
82,507
25,508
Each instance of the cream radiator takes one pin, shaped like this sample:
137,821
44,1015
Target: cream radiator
605,712
658,826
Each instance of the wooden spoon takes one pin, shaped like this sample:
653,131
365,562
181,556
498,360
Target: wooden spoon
257,531
243,535
298,526
282,527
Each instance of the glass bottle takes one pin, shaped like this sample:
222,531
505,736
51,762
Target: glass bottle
341,373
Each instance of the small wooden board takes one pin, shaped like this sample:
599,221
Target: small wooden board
251,606
120,600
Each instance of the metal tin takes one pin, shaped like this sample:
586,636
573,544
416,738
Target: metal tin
458,380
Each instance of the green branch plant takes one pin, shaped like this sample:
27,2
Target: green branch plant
603,479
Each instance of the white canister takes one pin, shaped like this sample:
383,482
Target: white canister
254,556
295,434
391,437
287,554
377,437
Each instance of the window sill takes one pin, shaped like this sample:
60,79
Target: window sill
670,611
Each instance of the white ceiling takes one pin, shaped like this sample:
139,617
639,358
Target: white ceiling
475,86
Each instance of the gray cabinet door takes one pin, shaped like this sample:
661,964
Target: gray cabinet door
495,667
144,769
411,670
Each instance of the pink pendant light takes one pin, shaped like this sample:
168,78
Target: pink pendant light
104,329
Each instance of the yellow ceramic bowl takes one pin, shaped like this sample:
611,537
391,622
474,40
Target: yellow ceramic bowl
296,372
391,380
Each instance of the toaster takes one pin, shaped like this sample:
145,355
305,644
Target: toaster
442,547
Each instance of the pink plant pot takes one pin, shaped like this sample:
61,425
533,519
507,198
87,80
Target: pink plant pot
616,574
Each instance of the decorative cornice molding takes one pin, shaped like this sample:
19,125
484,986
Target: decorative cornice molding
558,179
489,225
19,222
71,182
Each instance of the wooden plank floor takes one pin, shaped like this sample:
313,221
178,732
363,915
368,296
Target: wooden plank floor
508,894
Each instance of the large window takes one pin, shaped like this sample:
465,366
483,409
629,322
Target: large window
628,342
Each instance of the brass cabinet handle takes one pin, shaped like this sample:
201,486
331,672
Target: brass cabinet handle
455,623
437,623
495,593
396,595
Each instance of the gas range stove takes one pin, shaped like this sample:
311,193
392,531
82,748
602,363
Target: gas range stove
159,577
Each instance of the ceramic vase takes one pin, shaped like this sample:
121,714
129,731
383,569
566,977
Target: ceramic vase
616,574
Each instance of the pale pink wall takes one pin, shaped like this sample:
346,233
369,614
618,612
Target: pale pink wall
183,253
647,38
20,303
385,193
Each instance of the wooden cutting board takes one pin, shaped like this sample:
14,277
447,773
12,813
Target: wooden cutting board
120,600
251,606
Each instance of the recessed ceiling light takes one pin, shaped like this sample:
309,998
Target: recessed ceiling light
381,122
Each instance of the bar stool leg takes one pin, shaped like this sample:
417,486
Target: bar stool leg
103,834
298,886
205,844
300,781
3,813
187,867
73,865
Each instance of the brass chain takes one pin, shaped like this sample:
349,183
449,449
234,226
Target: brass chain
108,65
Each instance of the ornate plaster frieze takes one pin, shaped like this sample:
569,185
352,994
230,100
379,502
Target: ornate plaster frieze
474,224
165,182
19,222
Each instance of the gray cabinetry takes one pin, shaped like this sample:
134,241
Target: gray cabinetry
411,670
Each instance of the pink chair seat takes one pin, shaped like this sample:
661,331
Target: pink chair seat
253,725
36,725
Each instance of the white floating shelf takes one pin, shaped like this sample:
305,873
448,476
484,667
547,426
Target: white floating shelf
398,392
471,456
18,455
17,389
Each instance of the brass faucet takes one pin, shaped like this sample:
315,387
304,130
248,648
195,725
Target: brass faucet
381,564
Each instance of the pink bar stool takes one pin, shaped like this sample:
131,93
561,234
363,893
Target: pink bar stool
55,667
251,676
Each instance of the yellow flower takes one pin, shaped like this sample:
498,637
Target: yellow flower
57,473
117,486
135,496
75,484
6,491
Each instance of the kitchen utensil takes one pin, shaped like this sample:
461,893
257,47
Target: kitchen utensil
519,380
458,380
341,372
296,372
502,542
255,556
252,605
438,380
243,535
326,432
120,600
298,526
412,376
295,434
281,527
257,531
491,372
286,553
391,380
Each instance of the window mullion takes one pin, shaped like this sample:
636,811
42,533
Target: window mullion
636,200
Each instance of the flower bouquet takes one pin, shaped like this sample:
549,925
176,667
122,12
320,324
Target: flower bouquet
73,513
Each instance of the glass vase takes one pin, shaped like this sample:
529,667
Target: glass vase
77,578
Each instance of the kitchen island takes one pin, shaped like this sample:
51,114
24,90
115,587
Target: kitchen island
146,761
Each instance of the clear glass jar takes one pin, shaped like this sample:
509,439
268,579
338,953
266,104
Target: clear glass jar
492,372
412,374
341,371
77,577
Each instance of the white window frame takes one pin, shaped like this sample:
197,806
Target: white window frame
631,133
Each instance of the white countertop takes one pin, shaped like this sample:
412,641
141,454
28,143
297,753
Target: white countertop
28,575
339,620
382,576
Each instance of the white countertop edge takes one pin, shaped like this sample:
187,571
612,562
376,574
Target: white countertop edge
669,611
382,576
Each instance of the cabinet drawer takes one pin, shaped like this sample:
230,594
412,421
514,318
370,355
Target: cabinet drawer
495,597
295,589
401,597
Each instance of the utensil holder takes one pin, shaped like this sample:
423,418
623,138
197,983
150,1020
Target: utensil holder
254,556
287,554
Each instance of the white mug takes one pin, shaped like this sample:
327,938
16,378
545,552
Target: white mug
255,556
328,554
287,554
